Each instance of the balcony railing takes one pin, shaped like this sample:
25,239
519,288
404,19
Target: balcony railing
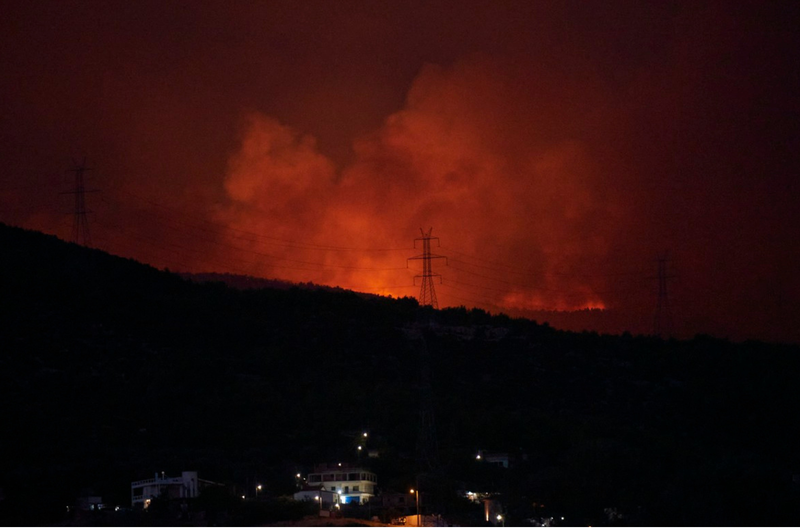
156,482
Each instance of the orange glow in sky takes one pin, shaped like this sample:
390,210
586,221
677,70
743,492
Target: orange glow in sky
557,149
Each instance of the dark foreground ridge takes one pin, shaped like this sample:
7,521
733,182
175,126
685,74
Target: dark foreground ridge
111,370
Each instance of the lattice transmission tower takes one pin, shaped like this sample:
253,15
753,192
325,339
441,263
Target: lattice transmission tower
80,224
662,320
427,448
427,292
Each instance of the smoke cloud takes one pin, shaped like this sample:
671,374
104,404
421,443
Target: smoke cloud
557,149
457,158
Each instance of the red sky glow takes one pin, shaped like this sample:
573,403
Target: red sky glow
557,149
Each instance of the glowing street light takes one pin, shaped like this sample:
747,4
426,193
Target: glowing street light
318,498
500,519
416,492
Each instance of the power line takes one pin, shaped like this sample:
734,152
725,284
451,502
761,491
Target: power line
427,292
550,272
224,266
323,266
282,241
425,296
297,244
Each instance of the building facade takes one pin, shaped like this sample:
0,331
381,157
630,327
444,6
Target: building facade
186,486
404,502
327,500
353,484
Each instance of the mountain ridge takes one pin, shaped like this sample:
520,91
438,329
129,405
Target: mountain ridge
112,368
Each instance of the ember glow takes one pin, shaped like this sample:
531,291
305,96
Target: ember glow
557,151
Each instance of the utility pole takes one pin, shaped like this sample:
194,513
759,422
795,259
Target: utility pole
427,455
662,321
80,225
427,452
427,293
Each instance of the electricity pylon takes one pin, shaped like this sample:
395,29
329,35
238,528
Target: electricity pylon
662,320
427,293
427,453
80,225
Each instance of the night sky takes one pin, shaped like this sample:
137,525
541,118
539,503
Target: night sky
557,149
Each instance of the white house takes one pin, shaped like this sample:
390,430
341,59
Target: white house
186,486
353,484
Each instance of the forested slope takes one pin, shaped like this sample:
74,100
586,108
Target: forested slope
110,370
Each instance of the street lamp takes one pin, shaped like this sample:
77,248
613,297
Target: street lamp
416,492
500,519
318,498
258,489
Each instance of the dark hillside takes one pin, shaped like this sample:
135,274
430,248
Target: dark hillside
110,370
